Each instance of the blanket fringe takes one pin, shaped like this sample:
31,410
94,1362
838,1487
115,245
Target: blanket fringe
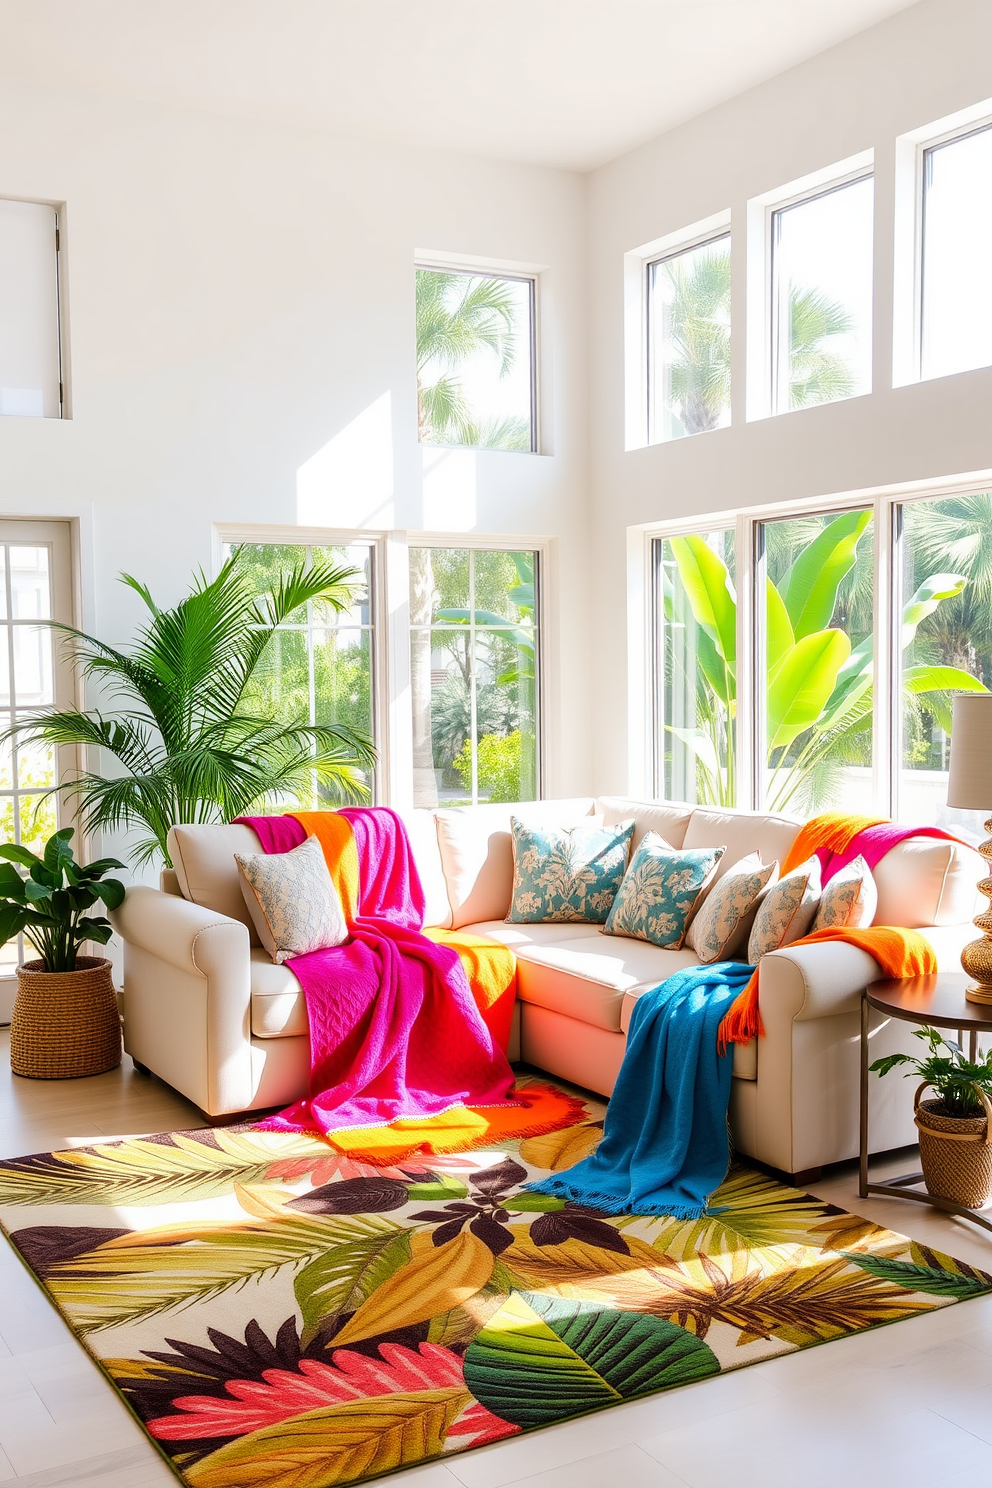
742,1022
612,1204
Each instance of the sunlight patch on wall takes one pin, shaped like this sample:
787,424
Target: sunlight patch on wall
349,483
449,489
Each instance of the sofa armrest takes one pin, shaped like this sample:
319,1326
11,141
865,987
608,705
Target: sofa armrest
180,932
187,997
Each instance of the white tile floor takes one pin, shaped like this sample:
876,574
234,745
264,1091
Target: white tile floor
898,1407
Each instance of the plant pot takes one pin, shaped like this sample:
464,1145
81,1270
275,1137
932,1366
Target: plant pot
955,1152
65,1024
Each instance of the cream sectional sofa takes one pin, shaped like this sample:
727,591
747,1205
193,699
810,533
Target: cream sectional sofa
207,1011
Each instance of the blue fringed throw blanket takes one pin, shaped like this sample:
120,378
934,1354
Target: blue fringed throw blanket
664,1147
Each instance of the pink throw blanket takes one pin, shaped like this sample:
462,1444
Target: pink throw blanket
872,843
394,1028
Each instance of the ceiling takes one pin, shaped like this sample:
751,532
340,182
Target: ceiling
568,83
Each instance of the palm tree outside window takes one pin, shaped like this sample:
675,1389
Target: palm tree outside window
475,360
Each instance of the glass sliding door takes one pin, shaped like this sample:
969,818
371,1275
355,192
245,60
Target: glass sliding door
944,552
474,675
696,667
815,662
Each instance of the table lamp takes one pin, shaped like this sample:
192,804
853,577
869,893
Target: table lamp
969,786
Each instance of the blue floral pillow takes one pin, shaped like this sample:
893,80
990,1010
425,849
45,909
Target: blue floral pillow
561,875
660,890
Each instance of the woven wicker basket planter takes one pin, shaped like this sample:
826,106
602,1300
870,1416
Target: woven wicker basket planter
65,1024
955,1152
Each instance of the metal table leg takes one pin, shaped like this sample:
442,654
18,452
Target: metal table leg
863,1153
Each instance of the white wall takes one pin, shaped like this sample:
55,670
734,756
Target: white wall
241,302
918,67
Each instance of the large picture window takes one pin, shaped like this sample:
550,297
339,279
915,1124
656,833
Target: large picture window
688,314
821,296
476,356
845,702
956,229
320,665
474,675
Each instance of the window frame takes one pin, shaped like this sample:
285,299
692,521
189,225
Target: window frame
520,275
649,265
379,612
887,505
924,151
773,330
505,543
58,211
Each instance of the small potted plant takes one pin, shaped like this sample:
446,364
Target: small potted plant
955,1124
65,1021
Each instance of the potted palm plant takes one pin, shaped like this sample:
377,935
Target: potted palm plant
955,1124
65,1022
189,728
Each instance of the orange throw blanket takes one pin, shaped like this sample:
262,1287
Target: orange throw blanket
899,953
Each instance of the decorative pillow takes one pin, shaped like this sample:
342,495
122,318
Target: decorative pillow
850,899
660,890
292,900
786,910
561,875
720,927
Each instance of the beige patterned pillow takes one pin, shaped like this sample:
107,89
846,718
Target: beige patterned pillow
292,900
849,900
786,911
721,924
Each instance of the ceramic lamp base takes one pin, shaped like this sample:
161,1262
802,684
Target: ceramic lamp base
978,994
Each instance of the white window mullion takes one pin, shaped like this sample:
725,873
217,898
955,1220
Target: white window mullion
750,717
885,701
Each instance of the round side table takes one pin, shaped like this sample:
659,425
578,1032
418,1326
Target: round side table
937,1000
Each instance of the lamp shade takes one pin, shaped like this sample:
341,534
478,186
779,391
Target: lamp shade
969,784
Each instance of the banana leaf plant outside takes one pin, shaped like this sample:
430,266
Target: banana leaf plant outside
817,687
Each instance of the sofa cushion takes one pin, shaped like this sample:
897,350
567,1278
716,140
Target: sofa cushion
278,1006
661,889
292,900
477,856
566,875
586,977
786,911
720,927
741,832
669,822
422,829
849,900
745,1055
203,857
926,881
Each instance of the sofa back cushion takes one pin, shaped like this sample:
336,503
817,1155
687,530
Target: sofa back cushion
741,833
924,881
667,820
422,829
477,855
203,857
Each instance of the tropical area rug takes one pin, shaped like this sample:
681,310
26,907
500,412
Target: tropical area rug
282,1315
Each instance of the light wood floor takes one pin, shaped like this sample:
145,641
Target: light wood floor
908,1406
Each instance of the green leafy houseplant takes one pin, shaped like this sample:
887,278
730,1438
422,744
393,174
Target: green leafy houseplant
50,902
188,745
950,1075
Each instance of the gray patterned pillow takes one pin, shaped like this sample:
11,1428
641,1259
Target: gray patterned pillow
786,911
720,926
850,899
292,900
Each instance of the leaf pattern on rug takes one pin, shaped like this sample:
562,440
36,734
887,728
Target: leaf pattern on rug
282,1315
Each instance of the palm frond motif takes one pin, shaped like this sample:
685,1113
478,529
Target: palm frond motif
748,1211
142,1172
116,1283
186,746
809,1302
